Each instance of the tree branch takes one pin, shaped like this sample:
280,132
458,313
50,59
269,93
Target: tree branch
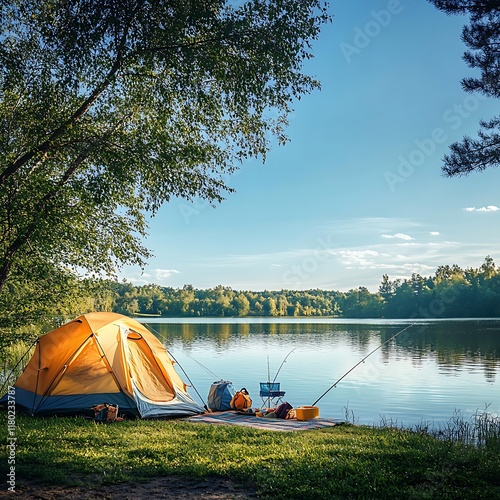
77,115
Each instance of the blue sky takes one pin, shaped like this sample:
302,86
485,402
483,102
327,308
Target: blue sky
358,191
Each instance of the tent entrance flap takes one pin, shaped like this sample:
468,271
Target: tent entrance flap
146,373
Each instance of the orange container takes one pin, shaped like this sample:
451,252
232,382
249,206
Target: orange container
306,412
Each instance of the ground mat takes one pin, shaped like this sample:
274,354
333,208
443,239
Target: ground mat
271,424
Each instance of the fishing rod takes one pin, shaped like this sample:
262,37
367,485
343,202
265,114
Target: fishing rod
282,363
359,362
279,369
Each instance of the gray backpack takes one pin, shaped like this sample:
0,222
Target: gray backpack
220,395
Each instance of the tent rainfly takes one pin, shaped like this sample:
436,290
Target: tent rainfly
102,357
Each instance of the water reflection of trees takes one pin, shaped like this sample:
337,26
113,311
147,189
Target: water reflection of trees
455,344
451,344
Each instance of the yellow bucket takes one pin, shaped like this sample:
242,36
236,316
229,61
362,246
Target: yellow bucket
306,412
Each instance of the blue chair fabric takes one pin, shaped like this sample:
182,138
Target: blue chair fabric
271,393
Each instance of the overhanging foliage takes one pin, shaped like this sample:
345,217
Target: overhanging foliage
109,108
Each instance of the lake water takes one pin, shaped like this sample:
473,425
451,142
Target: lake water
425,375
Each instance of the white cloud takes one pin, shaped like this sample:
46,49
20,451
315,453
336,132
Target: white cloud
489,208
163,273
367,225
399,236
407,268
356,258
434,233
157,276
403,236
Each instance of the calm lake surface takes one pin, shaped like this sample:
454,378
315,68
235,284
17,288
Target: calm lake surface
425,375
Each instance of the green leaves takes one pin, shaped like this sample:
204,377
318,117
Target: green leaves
481,38
110,108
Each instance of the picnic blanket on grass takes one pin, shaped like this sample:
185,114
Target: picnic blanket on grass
272,424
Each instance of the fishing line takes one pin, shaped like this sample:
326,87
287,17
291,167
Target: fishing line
155,331
359,362
190,357
204,367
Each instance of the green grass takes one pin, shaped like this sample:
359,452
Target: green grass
341,462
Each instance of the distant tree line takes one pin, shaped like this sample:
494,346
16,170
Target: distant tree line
450,292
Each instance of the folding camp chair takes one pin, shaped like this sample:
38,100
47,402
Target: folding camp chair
271,394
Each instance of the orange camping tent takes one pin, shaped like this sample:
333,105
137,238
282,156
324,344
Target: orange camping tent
102,357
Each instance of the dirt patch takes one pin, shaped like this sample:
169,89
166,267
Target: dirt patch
211,489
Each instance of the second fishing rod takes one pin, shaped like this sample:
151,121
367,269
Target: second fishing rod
360,362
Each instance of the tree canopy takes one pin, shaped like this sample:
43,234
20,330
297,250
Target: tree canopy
482,37
450,292
109,108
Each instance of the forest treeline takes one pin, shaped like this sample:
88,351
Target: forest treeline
450,292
